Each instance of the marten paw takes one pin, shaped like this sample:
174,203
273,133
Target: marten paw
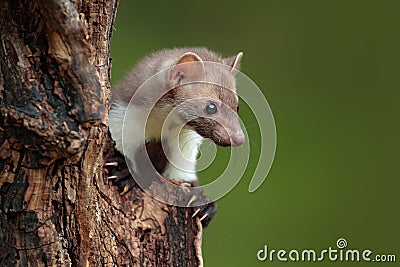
193,197
205,212
118,173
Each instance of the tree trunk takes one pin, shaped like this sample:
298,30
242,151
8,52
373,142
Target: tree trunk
56,206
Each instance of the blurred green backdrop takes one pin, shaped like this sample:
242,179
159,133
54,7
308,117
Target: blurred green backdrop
330,71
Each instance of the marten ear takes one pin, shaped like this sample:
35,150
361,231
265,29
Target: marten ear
234,62
188,66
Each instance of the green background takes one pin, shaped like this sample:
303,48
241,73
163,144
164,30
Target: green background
330,72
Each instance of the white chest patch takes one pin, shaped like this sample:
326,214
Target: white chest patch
182,155
181,144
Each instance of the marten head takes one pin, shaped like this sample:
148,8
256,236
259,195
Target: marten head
204,95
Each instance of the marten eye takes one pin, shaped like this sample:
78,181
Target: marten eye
211,108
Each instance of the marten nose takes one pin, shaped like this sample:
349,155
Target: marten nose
237,138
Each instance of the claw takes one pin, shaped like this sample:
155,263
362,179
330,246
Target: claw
204,216
112,177
111,163
195,213
191,200
126,189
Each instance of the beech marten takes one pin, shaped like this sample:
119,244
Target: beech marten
171,101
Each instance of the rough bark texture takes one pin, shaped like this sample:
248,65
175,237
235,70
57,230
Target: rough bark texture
56,208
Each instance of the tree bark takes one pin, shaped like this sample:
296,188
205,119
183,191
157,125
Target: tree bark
56,206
